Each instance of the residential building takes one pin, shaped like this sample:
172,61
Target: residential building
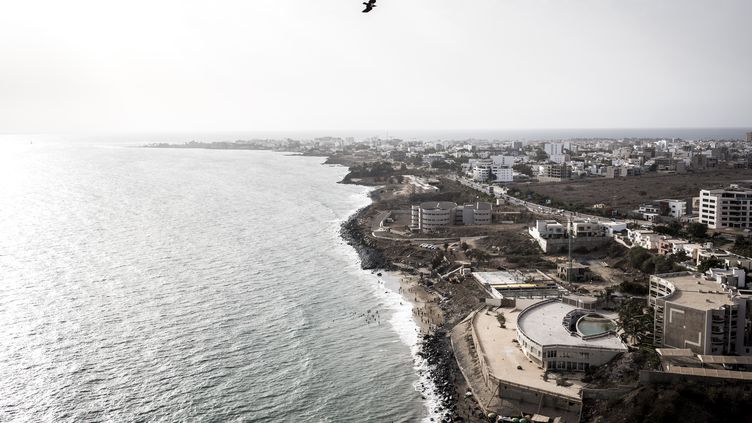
554,172
622,171
668,245
697,312
587,228
502,173
644,238
726,208
552,236
547,229
481,172
507,161
554,149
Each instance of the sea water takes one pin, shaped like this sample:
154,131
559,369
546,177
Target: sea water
192,285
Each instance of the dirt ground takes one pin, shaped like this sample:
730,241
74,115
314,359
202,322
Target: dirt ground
628,193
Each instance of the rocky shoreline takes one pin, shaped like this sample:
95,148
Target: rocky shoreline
435,347
371,257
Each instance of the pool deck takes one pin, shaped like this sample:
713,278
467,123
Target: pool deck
543,325
503,355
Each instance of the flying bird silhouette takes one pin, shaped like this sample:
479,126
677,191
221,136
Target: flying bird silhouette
369,5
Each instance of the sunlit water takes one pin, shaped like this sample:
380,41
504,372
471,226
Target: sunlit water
190,285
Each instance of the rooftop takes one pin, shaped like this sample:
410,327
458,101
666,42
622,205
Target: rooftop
693,290
542,323
444,205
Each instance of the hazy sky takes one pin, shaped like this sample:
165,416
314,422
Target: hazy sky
165,65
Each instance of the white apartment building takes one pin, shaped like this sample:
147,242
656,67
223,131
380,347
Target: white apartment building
547,229
502,173
676,208
554,149
481,172
503,160
726,208
587,228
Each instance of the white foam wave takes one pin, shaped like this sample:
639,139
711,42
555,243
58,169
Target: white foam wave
407,329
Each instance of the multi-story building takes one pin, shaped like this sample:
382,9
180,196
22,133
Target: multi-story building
586,228
726,208
622,171
502,173
547,229
481,172
672,208
554,172
554,149
432,215
503,160
700,313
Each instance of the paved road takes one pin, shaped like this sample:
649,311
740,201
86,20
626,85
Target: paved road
533,207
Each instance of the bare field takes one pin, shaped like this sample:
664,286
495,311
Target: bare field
628,193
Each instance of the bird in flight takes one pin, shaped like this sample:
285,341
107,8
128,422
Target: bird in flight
369,5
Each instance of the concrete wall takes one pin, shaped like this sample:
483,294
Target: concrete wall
537,400
552,246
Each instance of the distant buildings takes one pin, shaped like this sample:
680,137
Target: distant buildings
622,171
434,215
707,315
726,208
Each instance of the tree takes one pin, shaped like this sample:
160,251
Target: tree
501,319
636,322
673,229
523,169
711,262
540,155
697,230
638,256
742,246
437,259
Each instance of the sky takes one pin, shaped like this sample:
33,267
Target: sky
245,65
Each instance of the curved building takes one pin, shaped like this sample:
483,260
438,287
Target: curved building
560,336
432,215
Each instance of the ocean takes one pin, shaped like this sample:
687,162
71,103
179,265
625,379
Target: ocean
192,285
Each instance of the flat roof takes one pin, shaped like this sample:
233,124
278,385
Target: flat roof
693,290
507,280
444,205
675,352
542,324
723,374
497,278
725,359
